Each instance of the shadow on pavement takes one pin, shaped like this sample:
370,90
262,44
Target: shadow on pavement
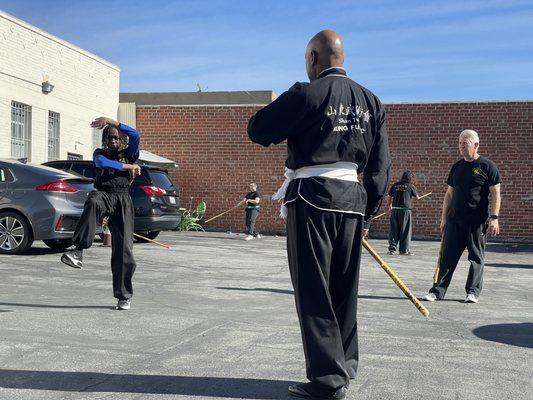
261,389
501,265
54,306
520,334
281,291
509,247
6,311
369,297
40,251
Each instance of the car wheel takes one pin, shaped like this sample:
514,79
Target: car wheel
15,234
58,244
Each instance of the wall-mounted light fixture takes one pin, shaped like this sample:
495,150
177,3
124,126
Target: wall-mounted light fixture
47,87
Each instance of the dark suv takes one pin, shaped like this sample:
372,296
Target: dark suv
156,200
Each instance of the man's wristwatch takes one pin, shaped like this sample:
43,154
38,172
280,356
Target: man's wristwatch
493,216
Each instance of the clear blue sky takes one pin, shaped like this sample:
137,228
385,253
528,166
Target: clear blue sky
402,50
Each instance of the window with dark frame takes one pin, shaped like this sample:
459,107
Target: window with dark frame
20,130
97,138
53,136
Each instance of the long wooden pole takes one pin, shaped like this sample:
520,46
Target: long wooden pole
150,240
437,268
386,212
425,195
225,212
423,310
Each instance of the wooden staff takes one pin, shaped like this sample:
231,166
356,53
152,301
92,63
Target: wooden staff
150,240
437,268
225,212
424,195
386,212
423,310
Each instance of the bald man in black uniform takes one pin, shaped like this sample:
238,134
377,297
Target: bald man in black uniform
334,129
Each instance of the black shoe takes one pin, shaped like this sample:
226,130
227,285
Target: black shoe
392,252
305,391
407,253
73,258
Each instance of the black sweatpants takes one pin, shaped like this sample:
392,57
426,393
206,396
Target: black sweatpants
400,230
457,237
119,208
324,252
251,217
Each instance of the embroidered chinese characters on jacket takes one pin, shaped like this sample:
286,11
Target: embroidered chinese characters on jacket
348,118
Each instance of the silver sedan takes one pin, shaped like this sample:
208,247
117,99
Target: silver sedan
38,203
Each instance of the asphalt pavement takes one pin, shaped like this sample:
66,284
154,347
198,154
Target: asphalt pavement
214,318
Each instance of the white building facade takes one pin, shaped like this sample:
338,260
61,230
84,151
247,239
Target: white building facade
50,91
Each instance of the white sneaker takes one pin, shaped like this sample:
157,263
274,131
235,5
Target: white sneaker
123,304
430,297
471,298
249,237
73,258
258,236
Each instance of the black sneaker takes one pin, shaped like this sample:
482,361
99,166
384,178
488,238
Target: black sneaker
73,258
407,253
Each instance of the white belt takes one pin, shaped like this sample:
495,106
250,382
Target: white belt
343,170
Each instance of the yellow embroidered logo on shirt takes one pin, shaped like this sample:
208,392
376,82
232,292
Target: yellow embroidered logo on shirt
477,171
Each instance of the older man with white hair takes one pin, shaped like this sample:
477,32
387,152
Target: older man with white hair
466,219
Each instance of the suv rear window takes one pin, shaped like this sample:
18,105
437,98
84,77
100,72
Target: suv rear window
86,170
161,179
58,165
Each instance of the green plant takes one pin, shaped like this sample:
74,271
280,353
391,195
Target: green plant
190,218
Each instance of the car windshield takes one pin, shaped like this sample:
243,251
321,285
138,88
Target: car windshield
160,179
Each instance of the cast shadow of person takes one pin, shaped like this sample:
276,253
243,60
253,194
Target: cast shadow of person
95,382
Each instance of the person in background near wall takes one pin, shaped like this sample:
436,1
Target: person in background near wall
400,195
252,200
465,217
115,169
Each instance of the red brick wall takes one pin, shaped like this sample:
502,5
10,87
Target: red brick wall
217,161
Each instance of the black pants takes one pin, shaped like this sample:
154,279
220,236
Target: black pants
251,217
400,230
457,237
324,251
119,208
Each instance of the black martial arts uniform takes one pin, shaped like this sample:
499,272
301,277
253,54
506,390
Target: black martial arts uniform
400,217
332,119
466,223
252,212
112,199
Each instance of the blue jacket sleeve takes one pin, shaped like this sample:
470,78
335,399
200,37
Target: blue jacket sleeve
132,151
103,162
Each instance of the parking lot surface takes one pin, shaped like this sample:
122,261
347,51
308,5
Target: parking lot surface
214,318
